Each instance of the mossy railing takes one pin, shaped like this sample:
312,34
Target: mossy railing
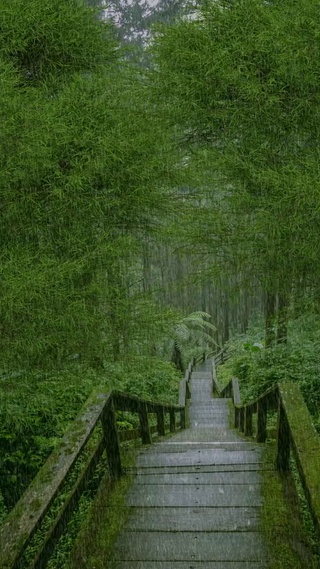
295,432
26,517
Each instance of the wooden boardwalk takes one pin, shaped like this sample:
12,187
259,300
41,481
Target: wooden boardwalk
196,499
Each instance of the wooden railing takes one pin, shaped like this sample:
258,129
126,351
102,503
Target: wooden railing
26,517
295,432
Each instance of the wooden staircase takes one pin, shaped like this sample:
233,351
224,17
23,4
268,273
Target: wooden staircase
196,498
195,501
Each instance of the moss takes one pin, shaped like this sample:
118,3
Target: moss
281,519
97,538
306,444
35,504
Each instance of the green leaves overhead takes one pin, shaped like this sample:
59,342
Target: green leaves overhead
85,166
47,40
241,80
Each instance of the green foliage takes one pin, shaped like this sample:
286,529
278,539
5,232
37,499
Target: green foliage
240,80
146,377
298,361
51,39
36,409
84,172
188,336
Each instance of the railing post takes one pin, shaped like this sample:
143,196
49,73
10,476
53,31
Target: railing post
188,392
183,418
111,441
236,418
144,424
172,420
204,357
241,419
248,422
283,452
160,422
261,421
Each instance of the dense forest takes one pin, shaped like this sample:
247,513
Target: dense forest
160,198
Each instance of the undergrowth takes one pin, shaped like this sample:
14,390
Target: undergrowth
258,368
37,408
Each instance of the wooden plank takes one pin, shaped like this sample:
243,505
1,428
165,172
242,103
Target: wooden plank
172,421
124,402
160,423
261,421
131,403
111,441
183,418
283,441
236,391
64,515
129,435
248,421
144,424
182,393
26,516
305,444
241,419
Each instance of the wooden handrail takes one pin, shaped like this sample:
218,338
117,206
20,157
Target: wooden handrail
295,432
25,518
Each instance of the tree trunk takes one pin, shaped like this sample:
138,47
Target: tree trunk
270,319
282,332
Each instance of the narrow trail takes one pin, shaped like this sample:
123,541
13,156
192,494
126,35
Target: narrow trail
195,501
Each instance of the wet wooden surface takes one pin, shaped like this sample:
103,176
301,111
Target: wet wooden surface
196,497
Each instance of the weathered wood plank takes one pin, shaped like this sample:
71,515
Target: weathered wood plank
111,440
160,423
172,421
283,442
236,391
182,392
261,421
144,424
305,443
64,515
26,516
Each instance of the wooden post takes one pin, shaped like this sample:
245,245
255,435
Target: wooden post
111,441
248,422
204,357
241,419
160,422
183,418
144,424
172,420
261,421
188,392
236,418
283,454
